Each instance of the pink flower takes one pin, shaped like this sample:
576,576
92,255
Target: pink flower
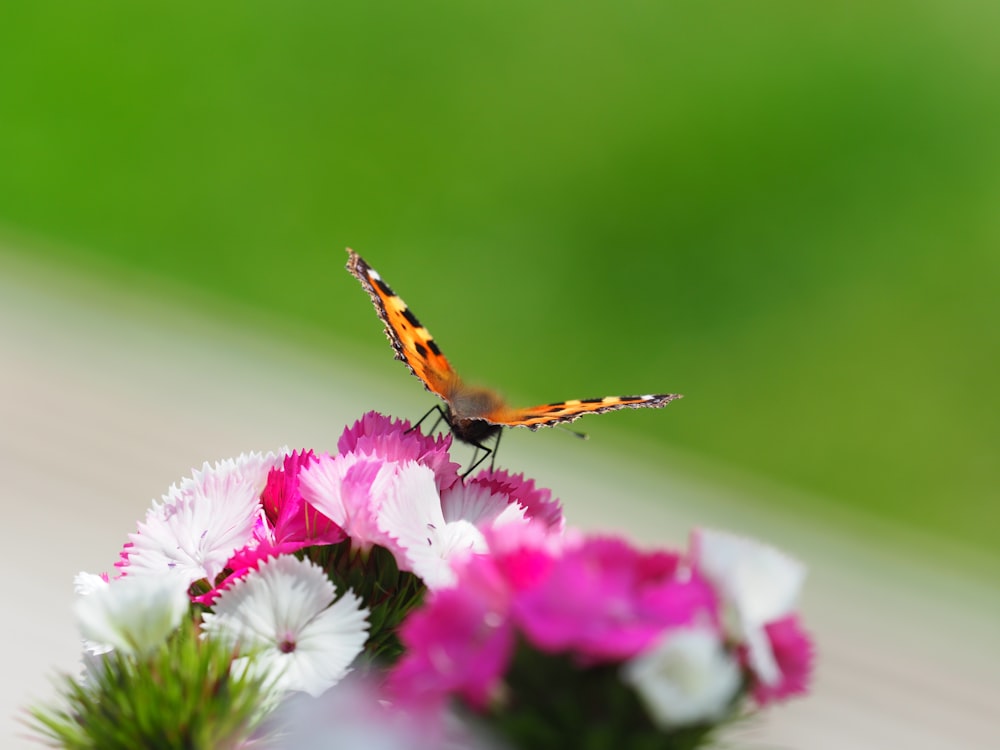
285,524
378,436
794,653
244,561
289,518
462,640
597,598
523,555
348,490
606,601
537,503
460,643
397,489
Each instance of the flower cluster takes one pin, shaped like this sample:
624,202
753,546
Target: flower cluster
448,597
682,635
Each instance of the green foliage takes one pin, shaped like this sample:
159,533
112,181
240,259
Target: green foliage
182,697
389,593
552,702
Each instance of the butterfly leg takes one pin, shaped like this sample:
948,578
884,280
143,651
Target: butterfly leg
491,453
476,461
496,449
442,416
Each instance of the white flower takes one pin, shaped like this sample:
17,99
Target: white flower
757,584
281,620
133,615
433,529
686,678
201,522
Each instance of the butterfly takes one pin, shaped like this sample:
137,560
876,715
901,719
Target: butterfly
474,414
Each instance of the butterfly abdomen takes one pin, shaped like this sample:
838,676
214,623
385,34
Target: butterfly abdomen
472,431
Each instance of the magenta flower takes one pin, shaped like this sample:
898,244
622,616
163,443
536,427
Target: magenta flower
377,436
606,601
597,599
476,594
462,640
396,488
290,519
460,644
243,562
794,653
523,555
537,503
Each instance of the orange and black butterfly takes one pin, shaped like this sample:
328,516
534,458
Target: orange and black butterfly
473,414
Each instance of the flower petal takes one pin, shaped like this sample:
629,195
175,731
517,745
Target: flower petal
133,614
688,677
282,620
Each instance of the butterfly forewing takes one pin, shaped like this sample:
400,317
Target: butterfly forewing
413,343
567,411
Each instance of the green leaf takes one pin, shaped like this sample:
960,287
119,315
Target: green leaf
182,697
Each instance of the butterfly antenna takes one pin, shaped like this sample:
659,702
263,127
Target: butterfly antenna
581,435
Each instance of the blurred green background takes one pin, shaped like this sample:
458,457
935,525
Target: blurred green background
789,212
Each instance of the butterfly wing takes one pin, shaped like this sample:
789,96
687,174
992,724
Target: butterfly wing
567,411
412,343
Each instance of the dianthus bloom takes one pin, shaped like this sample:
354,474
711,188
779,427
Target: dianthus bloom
541,620
456,593
388,485
759,587
392,487
596,599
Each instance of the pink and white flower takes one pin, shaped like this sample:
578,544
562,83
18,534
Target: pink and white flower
597,599
349,490
759,587
393,487
432,530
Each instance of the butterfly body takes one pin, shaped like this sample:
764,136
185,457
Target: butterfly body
467,407
474,414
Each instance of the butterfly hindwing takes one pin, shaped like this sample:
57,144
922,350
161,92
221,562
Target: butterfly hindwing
412,343
567,411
